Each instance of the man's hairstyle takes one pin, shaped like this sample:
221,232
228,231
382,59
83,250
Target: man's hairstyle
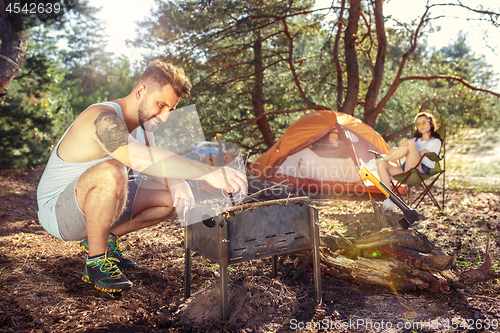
159,74
430,117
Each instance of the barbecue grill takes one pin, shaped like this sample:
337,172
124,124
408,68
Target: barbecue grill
250,232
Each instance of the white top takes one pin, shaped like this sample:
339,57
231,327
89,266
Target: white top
59,173
433,145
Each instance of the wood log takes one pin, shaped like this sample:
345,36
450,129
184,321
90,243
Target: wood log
267,203
339,262
377,271
335,242
481,274
401,260
418,259
391,273
410,239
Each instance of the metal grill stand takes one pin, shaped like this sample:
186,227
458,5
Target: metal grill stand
266,231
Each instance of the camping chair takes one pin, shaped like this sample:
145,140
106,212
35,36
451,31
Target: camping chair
415,177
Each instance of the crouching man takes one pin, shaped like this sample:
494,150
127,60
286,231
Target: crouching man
84,193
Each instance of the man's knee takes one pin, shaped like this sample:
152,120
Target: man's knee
110,174
114,174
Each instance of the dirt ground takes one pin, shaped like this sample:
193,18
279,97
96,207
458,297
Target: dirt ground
41,288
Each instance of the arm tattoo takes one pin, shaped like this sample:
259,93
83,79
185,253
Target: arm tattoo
111,131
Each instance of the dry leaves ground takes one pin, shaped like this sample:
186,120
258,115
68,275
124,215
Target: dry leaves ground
41,290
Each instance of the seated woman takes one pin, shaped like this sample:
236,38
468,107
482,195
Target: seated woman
425,140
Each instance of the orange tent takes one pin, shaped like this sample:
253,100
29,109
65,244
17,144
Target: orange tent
321,153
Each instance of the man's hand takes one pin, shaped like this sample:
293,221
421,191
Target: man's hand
183,197
226,179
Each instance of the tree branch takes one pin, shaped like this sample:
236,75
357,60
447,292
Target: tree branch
268,113
397,79
450,78
292,65
492,15
393,136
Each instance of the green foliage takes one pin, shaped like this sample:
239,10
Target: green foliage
214,41
93,75
101,79
35,111
451,102
54,85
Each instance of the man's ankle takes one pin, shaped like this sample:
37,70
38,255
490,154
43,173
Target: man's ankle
90,258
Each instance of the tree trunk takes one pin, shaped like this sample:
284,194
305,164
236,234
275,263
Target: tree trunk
371,112
14,45
336,60
351,99
258,92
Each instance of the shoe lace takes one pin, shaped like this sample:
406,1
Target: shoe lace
115,246
107,265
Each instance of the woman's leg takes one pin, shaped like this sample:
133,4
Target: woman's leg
386,170
412,157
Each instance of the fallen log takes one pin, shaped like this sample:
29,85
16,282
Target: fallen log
410,239
391,273
481,274
418,259
409,246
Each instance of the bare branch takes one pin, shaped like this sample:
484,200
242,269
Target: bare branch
397,79
241,77
268,113
221,70
393,136
292,65
368,33
493,16
450,78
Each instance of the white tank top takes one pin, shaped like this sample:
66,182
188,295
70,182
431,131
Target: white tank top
59,173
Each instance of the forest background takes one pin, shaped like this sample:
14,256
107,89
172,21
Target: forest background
256,67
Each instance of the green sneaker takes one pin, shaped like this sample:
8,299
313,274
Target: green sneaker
115,251
105,275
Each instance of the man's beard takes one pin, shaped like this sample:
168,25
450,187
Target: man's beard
147,123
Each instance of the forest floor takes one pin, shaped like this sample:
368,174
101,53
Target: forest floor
41,288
